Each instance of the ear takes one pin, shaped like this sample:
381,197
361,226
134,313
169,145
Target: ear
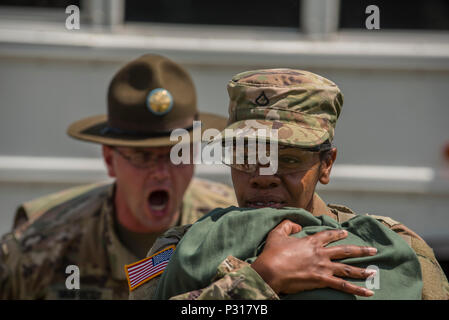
108,157
326,166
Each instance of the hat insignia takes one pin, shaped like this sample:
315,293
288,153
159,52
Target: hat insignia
262,99
159,101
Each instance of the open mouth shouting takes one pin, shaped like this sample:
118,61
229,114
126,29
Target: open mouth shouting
158,202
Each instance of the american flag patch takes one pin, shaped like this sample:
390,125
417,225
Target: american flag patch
144,270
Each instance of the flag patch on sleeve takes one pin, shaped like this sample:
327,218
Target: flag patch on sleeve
144,270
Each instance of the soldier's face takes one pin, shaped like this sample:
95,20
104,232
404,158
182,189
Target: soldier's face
282,190
149,188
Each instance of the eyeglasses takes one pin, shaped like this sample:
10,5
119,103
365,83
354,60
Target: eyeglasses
142,159
288,159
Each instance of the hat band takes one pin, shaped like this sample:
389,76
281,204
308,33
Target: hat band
137,134
272,114
154,134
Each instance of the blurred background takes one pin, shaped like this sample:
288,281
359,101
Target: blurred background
392,136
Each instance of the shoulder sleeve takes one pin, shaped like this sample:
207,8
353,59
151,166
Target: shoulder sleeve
33,209
5,272
235,279
145,291
27,267
170,237
435,284
10,257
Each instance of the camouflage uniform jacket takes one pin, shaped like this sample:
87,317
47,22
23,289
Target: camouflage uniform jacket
76,227
235,279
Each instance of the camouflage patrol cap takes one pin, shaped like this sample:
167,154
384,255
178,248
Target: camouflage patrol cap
302,106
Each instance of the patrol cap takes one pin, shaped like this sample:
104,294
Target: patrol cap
302,106
147,99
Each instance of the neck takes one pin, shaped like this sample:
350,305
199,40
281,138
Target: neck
319,208
137,243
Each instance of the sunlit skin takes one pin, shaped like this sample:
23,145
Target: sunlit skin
287,190
135,185
288,264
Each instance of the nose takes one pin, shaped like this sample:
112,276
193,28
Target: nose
264,181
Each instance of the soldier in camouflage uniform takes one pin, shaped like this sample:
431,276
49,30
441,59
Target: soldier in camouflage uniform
304,108
99,228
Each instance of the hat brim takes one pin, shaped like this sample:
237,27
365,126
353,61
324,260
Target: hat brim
93,129
288,133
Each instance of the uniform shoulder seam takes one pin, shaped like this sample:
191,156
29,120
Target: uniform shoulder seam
25,231
33,209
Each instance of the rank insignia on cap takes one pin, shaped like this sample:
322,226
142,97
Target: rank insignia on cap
159,101
144,270
262,99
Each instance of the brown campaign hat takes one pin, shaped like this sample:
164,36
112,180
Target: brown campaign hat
147,99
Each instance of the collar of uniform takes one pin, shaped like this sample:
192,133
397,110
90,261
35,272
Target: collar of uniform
320,208
118,255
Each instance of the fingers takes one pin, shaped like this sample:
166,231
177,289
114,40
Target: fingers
349,251
344,270
287,227
345,286
327,236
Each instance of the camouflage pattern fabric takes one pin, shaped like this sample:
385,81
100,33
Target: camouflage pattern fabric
52,234
235,279
302,106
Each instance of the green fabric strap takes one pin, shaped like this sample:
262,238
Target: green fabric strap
241,233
